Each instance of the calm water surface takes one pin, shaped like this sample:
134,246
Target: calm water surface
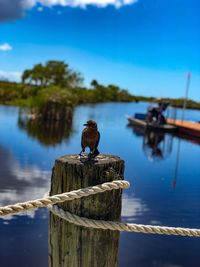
165,188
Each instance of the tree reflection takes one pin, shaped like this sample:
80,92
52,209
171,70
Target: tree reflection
48,133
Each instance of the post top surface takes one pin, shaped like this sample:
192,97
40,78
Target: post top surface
99,160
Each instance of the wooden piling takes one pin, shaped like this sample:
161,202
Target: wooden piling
75,246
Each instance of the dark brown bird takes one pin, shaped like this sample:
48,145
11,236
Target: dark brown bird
90,138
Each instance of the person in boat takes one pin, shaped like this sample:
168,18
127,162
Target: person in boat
155,114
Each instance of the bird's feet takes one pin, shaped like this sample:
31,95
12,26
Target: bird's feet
93,155
81,153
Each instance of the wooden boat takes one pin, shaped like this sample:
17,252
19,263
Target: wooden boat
186,127
156,127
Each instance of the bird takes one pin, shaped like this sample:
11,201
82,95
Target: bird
90,138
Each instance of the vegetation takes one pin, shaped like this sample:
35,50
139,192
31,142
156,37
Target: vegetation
53,89
54,82
175,102
52,73
191,104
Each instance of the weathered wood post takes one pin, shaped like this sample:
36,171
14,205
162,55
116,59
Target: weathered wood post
75,246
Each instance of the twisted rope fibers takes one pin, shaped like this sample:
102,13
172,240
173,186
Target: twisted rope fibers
118,226
51,200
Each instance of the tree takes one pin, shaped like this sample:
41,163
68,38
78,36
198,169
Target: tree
94,83
26,76
39,74
52,73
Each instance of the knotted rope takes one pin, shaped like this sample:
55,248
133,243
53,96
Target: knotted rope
51,200
118,226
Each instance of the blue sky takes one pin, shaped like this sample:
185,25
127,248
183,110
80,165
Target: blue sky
145,46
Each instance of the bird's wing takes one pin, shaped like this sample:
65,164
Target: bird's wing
97,142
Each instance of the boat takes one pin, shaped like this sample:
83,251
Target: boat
188,128
139,120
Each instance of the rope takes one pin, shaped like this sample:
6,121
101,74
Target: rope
118,226
51,200
98,224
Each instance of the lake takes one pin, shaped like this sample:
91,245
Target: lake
165,185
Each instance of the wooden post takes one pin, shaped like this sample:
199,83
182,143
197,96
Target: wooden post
75,246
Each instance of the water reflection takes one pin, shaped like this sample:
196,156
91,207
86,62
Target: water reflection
19,183
156,144
190,138
132,208
156,263
48,133
25,168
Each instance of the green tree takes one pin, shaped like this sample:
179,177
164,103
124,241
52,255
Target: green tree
26,76
39,74
94,83
52,73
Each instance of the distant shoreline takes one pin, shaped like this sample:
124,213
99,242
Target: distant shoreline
36,97
174,102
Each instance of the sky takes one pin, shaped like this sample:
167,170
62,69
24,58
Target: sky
144,46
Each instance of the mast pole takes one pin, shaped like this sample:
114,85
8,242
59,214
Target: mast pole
186,95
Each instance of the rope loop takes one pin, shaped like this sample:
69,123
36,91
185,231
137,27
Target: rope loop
123,227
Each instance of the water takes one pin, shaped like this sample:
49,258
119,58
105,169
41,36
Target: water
164,190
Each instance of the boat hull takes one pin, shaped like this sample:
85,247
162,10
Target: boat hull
143,124
186,127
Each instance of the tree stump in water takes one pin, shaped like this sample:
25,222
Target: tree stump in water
76,246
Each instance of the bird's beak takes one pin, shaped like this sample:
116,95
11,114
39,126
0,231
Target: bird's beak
85,124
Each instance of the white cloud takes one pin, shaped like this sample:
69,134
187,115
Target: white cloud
14,9
78,3
5,47
10,75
